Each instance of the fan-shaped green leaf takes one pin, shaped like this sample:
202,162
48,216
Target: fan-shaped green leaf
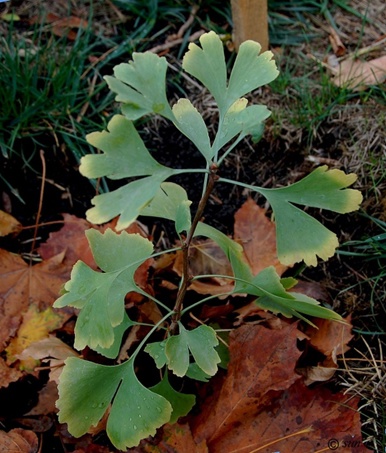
266,285
250,71
140,86
207,64
171,202
124,153
323,188
242,120
201,342
100,296
86,390
300,236
127,201
136,412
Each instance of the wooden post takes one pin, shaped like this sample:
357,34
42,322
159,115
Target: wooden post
250,21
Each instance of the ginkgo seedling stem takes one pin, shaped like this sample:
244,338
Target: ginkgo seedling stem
186,277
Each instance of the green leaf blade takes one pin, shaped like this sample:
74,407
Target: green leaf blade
181,403
202,342
146,77
128,201
171,202
207,64
85,392
177,354
136,412
324,189
101,296
124,153
250,70
190,123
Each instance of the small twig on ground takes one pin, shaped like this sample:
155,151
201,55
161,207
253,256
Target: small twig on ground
168,45
40,200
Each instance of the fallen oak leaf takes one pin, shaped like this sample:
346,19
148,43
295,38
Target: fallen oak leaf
174,438
72,240
261,362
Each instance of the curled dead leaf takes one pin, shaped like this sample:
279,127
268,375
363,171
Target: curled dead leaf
257,235
18,440
9,225
357,75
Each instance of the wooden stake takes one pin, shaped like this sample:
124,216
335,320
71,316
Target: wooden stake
250,19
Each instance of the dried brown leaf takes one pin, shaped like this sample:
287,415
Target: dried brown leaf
46,402
8,374
176,438
9,225
262,362
207,258
257,235
22,285
262,405
330,338
336,43
18,441
357,75
63,26
51,349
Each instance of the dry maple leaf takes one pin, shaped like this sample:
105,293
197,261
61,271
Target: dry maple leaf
262,405
257,235
22,285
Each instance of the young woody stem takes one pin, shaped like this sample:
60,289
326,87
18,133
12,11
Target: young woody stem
186,277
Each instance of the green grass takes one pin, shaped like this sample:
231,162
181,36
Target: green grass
371,250
44,90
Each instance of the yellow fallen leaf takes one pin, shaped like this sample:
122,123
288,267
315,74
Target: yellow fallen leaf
35,326
8,224
357,75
